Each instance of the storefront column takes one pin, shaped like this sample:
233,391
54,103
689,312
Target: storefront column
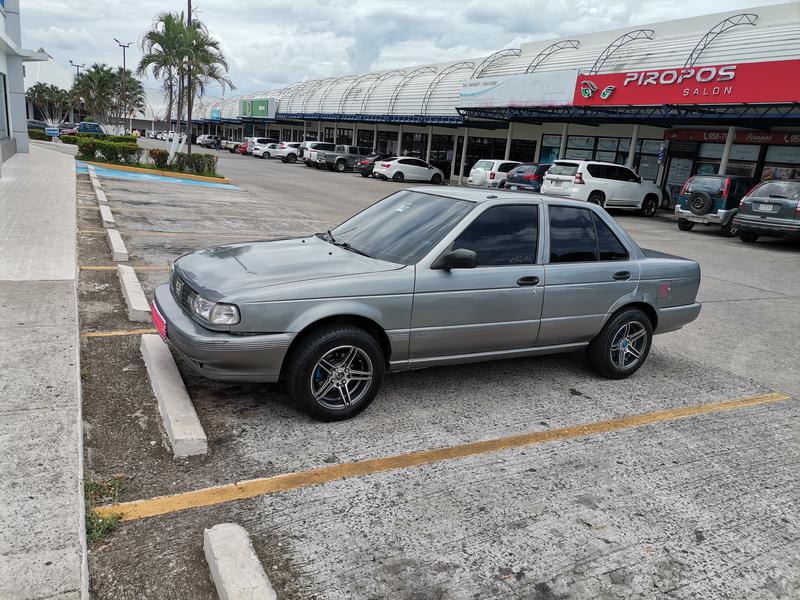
355,134
319,131
632,150
335,133
430,139
304,131
375,138
400,140
463,156
453,159
562,149
508,141
538,151
726,151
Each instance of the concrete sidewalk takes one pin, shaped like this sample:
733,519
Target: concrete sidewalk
42,537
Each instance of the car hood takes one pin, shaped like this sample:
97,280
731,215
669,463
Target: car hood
225,271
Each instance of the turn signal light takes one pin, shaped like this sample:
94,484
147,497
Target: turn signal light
491,174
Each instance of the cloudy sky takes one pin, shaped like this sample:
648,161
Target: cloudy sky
270,44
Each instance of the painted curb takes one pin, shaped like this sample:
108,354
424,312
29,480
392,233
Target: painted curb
234,565
159,172
101,196
118,250
135,300
185,433
106,217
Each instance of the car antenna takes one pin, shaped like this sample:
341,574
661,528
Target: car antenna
330,235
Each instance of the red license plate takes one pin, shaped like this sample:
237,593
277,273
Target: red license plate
159,321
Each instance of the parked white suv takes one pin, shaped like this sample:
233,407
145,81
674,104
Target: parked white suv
287,151
606,184
309,152
489,173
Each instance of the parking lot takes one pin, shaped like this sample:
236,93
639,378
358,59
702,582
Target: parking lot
686,503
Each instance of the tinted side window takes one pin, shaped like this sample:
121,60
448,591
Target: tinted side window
504,235
627,175
608,245
352,150
598,171
506,167
406,161
365,151
420,163
572,237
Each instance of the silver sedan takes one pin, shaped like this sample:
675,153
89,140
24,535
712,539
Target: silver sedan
424,277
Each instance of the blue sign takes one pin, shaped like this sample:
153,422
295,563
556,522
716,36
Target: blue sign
216,113
51,131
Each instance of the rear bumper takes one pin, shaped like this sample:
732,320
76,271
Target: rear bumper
721,217
675,317
766,226
218,355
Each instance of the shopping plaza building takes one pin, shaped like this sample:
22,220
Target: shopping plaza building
717,93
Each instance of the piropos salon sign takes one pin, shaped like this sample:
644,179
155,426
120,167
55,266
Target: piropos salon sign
755,83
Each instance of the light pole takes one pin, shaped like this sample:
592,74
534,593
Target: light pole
77,67
124,86
189,91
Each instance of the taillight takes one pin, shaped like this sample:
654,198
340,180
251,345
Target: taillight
686,185
491,174
579,179
726,188
532,177
386,165
364,162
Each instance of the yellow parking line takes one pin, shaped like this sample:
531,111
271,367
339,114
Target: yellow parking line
94,334
90,231
160,505
114,267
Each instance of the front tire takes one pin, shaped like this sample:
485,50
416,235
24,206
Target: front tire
621,348
748,236
685,225
335,372
340,166
649,206
436,179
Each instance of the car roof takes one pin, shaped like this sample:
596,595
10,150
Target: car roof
479,195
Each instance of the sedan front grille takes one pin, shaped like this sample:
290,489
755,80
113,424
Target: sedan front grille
182,293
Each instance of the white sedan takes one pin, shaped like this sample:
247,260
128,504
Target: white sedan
405,168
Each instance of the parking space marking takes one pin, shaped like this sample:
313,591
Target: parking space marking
160,505
114,267
253,235
95,334
91,231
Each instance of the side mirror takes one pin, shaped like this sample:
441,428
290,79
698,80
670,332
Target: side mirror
461,259
429,167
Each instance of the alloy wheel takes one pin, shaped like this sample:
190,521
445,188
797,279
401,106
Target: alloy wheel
627,345
341,378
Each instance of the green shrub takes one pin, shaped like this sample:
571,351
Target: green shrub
159,157
204,163
128,139
87,147
129,152
70,139
181,161
108,150
38,134
96,136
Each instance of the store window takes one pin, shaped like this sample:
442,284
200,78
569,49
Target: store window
523,150
550,146
365,137
345,136
742,161
781,162
329,135
4,128
415,144
387,142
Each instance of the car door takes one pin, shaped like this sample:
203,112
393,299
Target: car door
630,190
493,307
603,178
424,172
589,270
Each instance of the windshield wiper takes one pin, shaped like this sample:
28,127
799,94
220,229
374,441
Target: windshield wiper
347,246
778,196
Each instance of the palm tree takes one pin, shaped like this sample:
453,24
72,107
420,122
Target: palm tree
129,96
53,102
162,54
95,88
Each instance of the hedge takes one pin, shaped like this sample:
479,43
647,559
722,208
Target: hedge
70,139
111,151
38,134
129,139
159,157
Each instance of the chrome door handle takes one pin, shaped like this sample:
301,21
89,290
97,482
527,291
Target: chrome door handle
532,280
622,275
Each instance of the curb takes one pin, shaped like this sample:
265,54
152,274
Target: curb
235,569
158,172
106,217
101,196
135,300
118,250
186,435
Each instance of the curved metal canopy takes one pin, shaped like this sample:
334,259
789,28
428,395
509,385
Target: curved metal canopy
404,82
719,28
549,51
353,86
625,38
373,86
493,58
330,86
440,77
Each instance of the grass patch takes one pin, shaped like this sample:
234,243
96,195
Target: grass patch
152,167
101,491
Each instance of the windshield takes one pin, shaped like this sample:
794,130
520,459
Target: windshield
403,227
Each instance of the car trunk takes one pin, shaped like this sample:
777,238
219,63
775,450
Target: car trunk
774,199
561,177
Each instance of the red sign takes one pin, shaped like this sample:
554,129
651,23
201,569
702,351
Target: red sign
755,83
783,138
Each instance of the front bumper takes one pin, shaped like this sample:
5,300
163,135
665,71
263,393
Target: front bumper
675,317
219,355
721,217
766,226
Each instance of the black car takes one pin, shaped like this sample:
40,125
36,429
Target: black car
526,177
35,124
365,165
772,208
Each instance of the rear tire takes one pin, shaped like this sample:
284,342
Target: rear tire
685,225
748,236
398,177
597,198
649,206
730,229
292,158
321,359
621,348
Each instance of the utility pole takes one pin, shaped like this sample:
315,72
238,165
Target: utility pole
124,82
189,90
77,68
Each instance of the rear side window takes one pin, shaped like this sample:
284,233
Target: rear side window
598,171
608,245
506,167
365,151
712,185
486,165
778,189
572,237
542,169
564,168
503,235
406,161
352,150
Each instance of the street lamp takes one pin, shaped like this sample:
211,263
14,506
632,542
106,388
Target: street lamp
124,86
77,67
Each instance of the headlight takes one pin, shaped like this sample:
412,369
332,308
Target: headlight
215,313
